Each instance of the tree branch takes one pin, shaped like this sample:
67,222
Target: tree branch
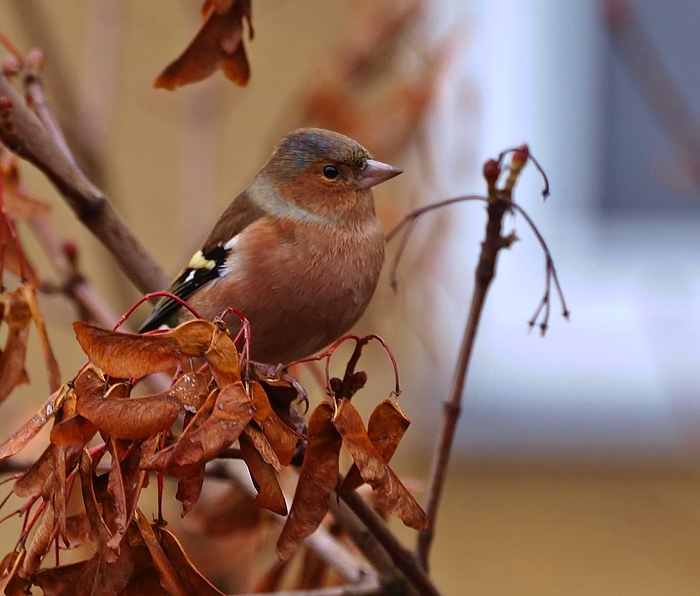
403,559
25,134
498,204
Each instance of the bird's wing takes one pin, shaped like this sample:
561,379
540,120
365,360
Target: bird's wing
207,264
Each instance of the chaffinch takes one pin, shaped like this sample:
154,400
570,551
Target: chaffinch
299,252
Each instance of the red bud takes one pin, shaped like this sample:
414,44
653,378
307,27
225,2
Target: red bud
491,170
5,104
520,155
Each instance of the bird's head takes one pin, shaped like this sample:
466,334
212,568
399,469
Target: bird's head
325,171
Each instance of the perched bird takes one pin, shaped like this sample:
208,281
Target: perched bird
299,252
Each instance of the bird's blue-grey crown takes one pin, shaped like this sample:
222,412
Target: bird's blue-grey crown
307,146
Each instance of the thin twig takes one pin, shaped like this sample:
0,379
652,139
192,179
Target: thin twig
24,133
403,558
485,271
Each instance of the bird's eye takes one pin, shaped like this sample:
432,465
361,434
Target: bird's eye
331,172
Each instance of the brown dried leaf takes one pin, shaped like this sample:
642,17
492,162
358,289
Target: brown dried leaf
116,490
222,357
97,575
18,317
167,575
270,494
53,373
386,427
133,418
194,581
262,446
89,383
30,429
18,204
55,581
191,389
41,541
144,580
318,477
33,480
218,44
162,461
99,532
135,478
392,495
282,438
12,262
232,411
75,430
189,488
128,355
44,476
58,487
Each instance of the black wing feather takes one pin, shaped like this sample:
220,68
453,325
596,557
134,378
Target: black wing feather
187,283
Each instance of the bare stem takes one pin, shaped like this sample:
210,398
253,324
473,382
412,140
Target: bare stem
403,559
485,271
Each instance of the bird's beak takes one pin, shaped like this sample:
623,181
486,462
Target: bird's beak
376,172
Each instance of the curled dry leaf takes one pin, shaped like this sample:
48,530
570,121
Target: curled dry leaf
318,477
44,476
16,263
282,438
99,532
167,575
163,461
133,418
53,373
191,389
189,488
100,576
128,355
56,581
18,316
262,446
41,541
386,427
194,581
218,44
270,494
30,429
232,411
392,495
75,430
222,357
117,492
19,205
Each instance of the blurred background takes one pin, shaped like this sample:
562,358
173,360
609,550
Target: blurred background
575,468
